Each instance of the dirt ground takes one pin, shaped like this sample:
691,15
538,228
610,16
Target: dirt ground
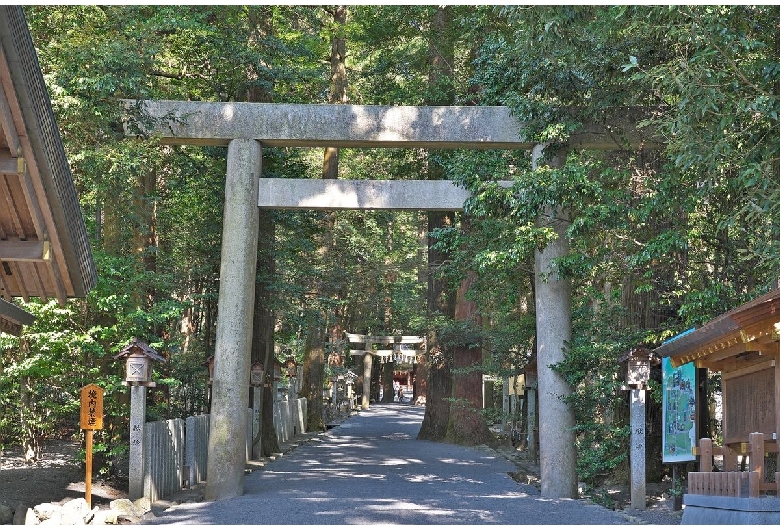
55,477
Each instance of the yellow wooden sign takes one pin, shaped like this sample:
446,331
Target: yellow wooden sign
92,407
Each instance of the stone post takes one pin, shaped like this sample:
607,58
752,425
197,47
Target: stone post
230,392
137,454
638,488
557,450
506,403
257,402
530,388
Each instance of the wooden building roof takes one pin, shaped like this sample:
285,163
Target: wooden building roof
747,334
44,249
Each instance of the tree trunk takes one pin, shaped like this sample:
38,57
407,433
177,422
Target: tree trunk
467,426
314,364
145,239
437,405
265,442
388,392
30,439
440,299
314,377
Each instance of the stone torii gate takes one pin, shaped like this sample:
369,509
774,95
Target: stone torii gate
245,127
395,342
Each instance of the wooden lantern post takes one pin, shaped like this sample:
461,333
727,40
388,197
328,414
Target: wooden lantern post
139,358
637,376
91,420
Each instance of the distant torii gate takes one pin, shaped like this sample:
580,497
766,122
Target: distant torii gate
245,127
396,351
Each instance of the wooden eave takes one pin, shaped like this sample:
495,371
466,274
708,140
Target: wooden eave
12,318
746,334
44,249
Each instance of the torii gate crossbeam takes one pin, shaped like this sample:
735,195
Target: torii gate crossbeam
244,128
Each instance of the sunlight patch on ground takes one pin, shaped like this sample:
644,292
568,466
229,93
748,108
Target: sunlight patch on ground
395,462
436,478
408,506
327,473
510,495
458,462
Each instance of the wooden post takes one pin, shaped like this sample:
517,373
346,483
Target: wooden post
677,497
730,459
91,419
705,460
776,434
88,478
757,454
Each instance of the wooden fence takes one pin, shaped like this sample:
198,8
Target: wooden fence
730,482
177,450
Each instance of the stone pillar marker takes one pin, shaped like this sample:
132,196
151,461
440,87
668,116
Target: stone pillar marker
637,376
530,388
137,455
557,454
506,403
638,488
230,391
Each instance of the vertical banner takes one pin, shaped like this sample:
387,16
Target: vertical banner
679,411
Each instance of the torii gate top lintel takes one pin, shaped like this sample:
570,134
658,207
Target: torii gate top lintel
303,125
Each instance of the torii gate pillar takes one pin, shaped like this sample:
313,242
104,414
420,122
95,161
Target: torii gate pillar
227,433
557,449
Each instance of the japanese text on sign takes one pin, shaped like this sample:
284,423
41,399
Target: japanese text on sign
92,407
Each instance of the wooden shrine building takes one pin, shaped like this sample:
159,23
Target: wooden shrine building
744,346
44,250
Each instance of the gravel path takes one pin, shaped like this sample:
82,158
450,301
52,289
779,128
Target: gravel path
372,470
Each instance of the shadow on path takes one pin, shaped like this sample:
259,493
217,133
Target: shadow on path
371,470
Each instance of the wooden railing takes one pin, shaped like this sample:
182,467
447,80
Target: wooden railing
724,484
730,482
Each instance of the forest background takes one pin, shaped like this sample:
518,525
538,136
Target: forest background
661,239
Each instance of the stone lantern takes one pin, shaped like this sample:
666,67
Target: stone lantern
139,358
291,367
257,374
